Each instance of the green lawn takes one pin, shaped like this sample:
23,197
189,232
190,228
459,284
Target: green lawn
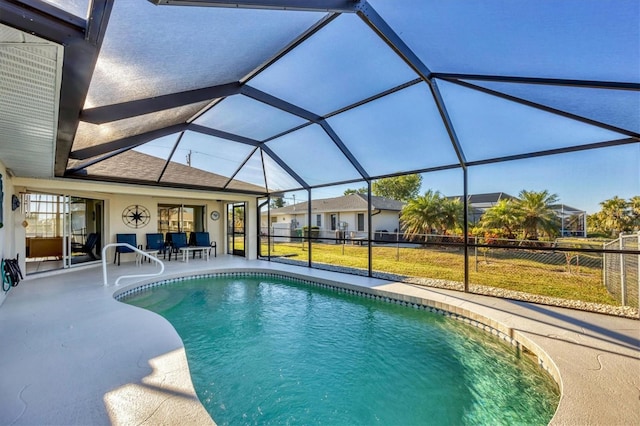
526,271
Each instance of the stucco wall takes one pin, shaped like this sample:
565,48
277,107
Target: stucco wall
116,198
388,220
11,225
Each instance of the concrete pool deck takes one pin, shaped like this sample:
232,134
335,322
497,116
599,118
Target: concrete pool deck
71,354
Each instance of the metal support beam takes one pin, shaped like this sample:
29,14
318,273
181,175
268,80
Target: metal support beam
222,135
343,148
252,142
78,168
166,163
594,84
307,115
311,31
369,231
43,20
310,252
545,108
264,172
446,119
369,15
284,166
275,102
465,227
247,158
556,151
344,6
188,186
125,143
108,113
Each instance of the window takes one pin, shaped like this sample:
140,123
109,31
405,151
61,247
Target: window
44,215
172,218
318,220
360,222
334,222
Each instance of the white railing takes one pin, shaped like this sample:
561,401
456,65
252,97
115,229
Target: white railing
139,252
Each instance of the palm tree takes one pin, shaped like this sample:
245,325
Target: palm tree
504,216
451,214
536,213
634,205
613,216
421,215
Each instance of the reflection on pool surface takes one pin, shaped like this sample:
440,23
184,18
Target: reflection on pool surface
267,350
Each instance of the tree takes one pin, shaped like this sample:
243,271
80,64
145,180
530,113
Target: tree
401,188
451,214
350,191
634,206
615,217
277,202
422,214
502,216
535,212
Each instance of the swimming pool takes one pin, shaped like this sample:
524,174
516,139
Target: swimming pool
271,350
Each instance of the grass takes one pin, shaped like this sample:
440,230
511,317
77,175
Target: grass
530,272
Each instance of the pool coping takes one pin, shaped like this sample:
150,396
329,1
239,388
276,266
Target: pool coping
576,404
118,364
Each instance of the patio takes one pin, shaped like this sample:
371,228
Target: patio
72,354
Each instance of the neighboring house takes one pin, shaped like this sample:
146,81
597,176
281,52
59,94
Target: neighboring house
479,203
573,220
346,215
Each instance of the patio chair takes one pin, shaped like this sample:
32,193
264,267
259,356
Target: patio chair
87,247
201,239
124,238
156,241
175,241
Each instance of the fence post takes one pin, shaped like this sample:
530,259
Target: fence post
623,284
604,265
475,252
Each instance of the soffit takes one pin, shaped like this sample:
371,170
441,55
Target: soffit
29,90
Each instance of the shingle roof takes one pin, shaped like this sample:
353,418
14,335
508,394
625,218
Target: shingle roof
490,197
351,202
127,166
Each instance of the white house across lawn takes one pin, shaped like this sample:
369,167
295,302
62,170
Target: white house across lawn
339,217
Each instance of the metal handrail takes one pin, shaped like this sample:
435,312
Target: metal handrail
141,252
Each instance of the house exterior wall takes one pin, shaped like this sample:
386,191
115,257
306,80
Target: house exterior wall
385,220
12,229
116,198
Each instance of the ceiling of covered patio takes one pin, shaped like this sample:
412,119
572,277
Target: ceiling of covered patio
277,95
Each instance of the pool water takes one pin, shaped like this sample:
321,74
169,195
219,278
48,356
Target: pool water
265,350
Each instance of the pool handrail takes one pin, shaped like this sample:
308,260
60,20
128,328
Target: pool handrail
135,249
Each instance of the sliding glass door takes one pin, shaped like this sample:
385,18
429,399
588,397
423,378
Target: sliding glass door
236,238
61,231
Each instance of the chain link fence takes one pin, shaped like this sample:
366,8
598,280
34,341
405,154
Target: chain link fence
584,269
621,272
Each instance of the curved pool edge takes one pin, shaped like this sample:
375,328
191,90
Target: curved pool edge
543,340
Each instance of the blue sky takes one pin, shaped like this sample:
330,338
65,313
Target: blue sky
580,179
346,62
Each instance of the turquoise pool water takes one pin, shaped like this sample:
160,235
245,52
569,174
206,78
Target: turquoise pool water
265,350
